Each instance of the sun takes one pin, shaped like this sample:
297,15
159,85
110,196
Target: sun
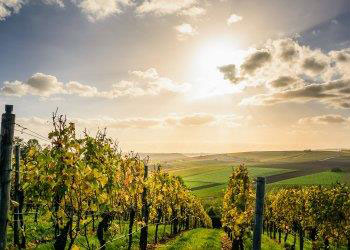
215,53
209,56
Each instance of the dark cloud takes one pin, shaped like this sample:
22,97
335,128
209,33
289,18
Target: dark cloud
288,50
324,119
313,65
256,61
309,91
343,57
345,91
282,81
229,72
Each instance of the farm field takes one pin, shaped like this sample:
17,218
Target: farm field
323,178
207,175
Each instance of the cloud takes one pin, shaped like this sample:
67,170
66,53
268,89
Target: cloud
44,85
194,11
185,31
150,73
229,72
15,88
256,61
323,119
290,72
164,7
59,3
39,84
147,82
79,89
167,121
282,81
313,65
9,7
288,50
100,9
331,93
234,19
196,119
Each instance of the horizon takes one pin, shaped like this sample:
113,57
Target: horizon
186,76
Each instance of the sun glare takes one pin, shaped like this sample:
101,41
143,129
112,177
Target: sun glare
211,55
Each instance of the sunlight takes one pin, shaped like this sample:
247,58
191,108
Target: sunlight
211,55
215,53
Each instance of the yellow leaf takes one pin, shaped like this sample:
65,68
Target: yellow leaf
75,247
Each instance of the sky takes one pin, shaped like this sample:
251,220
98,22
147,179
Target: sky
188,76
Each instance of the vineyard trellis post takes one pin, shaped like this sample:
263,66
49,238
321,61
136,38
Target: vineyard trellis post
7,133
259,212
145,215
16,196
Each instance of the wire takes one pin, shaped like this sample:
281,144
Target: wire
33,135
25,128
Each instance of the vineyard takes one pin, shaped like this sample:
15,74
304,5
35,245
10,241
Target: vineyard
315,213
84,193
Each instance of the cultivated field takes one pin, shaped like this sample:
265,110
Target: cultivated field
207,175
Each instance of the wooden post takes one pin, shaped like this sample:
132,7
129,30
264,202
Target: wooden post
145,215
16,197
7,131
259,212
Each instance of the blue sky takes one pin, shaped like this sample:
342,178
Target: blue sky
152,71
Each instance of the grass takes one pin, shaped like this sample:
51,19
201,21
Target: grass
199,238
222,175
117,241
268,243
323,178
217,191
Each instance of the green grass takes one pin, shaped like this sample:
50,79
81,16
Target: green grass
117,241
217,191
222,175
199,238
323,178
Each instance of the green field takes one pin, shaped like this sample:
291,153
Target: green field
323,178
207,175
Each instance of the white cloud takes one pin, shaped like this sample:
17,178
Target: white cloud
60,3
147,82
164,7
79,89
39,84
100,9
234,19
185,31
9,7
194,11
171,120
150,73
